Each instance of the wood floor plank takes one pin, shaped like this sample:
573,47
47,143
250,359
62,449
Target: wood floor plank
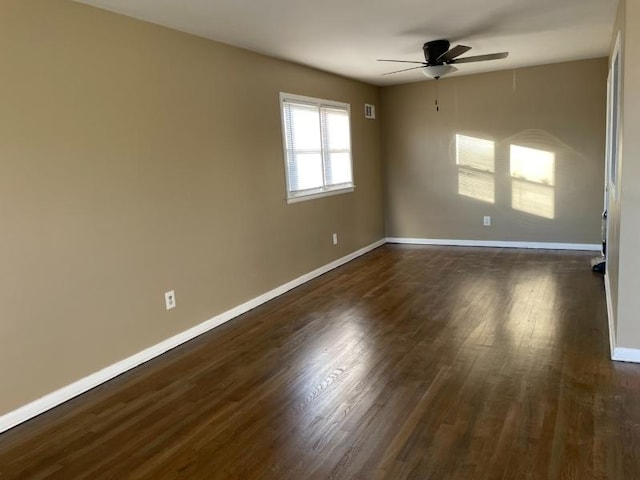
410,362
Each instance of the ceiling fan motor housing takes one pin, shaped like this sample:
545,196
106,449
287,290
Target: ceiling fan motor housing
432,50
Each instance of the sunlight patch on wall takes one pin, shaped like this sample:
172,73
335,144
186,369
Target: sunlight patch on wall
475,158
533,181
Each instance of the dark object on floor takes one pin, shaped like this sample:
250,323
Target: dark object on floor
598,264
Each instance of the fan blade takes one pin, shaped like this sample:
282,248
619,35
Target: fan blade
480,58
453,53
402,61
404,70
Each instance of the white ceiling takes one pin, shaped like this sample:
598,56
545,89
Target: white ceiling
347,36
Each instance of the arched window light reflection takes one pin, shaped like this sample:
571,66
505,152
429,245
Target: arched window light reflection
475,158
533,181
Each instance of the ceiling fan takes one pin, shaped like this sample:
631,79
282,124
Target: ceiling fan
440,58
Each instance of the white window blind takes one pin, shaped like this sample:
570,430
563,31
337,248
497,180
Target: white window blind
317,144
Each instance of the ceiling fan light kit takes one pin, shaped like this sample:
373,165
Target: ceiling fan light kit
439,59
437,71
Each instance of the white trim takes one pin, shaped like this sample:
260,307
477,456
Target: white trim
26,412
607,152
313,101
611,110
326,193
496,243
626,355
612,330
618,354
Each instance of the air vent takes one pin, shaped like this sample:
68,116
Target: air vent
369,111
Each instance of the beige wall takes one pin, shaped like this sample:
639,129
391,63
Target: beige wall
628,220
554,108
136,159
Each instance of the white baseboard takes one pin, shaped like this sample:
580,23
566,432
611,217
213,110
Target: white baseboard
612,329
64,394
618,354
626,355
496,243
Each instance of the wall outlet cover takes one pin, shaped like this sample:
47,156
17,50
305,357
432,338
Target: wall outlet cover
170,300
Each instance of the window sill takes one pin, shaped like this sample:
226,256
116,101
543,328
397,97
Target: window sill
312,196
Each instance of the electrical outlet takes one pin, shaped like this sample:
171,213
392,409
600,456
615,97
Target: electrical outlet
170,300
335,238
487,221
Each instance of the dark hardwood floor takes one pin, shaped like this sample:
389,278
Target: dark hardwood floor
409,362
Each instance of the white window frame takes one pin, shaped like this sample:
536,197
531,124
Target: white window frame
324,191
614,93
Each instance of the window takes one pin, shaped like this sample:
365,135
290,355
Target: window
317,146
